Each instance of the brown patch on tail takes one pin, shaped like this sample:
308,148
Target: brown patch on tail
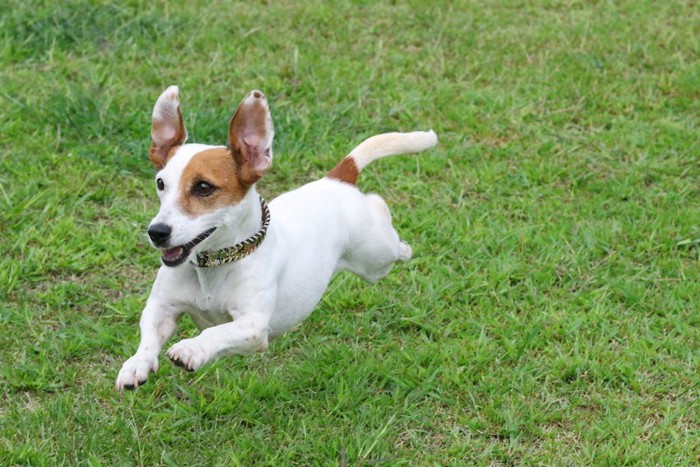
346,171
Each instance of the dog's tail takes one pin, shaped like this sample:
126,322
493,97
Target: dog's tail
388,144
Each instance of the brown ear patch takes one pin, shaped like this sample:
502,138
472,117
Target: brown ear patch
216,167
161,156
167,127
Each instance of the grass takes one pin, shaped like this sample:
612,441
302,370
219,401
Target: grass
550,315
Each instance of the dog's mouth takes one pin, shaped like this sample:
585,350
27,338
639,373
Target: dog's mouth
177,255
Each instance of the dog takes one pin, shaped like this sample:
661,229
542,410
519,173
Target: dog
246,272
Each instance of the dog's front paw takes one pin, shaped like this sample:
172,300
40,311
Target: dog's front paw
188,354
135,371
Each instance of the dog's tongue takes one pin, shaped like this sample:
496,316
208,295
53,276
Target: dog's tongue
172,254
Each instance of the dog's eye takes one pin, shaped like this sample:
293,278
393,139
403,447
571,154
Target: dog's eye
203,189
160,184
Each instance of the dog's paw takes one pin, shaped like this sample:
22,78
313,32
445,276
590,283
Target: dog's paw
188,354
135,371
405,251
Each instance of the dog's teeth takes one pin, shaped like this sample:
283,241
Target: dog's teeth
173,253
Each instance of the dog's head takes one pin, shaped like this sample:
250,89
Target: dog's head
202,187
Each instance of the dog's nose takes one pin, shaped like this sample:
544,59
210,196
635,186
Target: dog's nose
159,233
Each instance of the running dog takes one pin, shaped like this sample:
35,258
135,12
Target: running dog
246,272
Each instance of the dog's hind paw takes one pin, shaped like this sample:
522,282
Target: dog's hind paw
405,251
135,371
187,354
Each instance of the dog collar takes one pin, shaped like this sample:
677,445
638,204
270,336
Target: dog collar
209,259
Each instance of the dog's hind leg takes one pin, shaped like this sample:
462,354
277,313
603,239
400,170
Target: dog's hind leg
405,252
374,250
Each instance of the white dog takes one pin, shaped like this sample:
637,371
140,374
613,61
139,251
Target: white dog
243,271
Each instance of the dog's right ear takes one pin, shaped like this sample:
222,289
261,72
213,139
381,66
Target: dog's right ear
167,129
250,137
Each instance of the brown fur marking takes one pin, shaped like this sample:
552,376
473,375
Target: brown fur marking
346,171
217,167
156,155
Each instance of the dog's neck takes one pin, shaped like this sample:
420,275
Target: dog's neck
239,224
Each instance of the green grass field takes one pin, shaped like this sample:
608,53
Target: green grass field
550,313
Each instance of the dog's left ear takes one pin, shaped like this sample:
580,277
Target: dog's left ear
250,137
167,129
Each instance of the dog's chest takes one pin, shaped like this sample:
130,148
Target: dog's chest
206,318
211,302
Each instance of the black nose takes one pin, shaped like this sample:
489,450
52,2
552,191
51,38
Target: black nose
159,233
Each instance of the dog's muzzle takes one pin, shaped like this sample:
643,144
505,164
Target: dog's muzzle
177,255
159,233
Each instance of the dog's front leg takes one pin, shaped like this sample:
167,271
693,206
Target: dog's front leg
158,323
247,334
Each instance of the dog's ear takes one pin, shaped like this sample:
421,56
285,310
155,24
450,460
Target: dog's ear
250,137
167,129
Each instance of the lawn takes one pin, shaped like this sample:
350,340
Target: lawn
550,313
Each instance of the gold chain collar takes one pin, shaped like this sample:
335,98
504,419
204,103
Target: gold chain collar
209,259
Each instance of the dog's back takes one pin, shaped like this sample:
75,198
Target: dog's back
330,225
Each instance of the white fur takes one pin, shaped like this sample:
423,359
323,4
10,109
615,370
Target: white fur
315,230
390,144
